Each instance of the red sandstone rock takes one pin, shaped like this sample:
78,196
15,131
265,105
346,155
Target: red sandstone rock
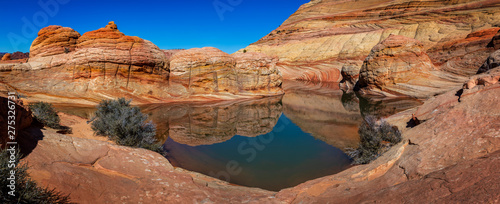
463,56
397,66
53,40
106,63
20,55
6,57
109,45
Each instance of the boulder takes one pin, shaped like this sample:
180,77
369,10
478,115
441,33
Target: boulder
350,75
394,62
492,62
6,57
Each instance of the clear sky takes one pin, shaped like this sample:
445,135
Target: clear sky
226,24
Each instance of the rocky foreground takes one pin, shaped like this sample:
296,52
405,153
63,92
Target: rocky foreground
65,66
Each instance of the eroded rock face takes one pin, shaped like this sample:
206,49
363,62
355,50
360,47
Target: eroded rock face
350,75
6,57
462,57
321,36
492,62
204,70
398,67
209,70
109,45
396,60
257,71
54,40
22,117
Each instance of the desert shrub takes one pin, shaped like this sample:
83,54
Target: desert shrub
46,114
124,124
27,190
375,139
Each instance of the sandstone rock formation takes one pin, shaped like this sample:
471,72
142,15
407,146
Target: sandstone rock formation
257,71
204,70
462,57
53,40
209,70
350,75
492,62
20,55
106,63
109,51
6,57
322,36
398,66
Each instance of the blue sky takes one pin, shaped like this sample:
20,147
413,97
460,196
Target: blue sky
226,24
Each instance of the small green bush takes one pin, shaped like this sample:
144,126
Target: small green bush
46,114
27,191
124,124
375,140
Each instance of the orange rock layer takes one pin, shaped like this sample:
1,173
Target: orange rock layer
106,63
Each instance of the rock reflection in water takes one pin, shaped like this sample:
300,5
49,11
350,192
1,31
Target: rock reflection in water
319,109
383,107
204,124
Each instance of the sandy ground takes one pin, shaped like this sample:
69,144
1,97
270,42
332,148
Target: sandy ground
79,127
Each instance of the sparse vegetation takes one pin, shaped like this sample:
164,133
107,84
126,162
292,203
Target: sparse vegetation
376,138
244,51
46,114
27,190
125,125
